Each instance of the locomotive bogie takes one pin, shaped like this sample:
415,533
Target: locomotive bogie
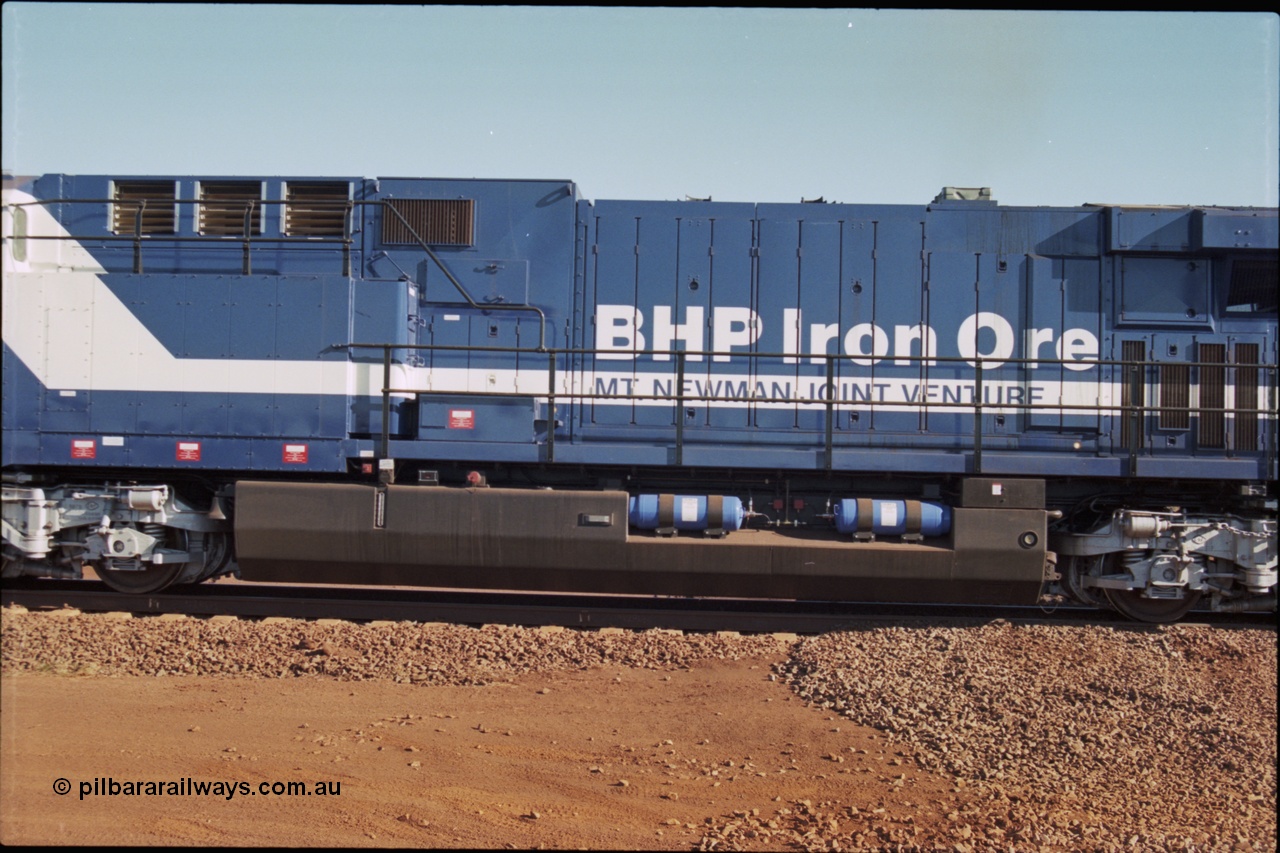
1171,556
123,531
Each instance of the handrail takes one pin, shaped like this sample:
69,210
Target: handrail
248,238
542,317
1133,372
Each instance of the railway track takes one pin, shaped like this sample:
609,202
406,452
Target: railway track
252,601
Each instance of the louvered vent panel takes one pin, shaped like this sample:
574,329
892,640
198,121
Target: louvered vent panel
316,209
439,222
223,205
1175,396
1246,426
1213,395
1254,284
1130,351
158,215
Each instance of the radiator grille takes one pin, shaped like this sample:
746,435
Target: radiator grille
1131,351
1246,423
1175,396
157,218
316,209
439,222
1213,395
223,205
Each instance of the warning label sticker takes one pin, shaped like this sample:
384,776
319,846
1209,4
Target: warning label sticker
462,419
188,451
688,509
84,448
295,454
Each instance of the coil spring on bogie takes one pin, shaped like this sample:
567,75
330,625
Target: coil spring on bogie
1134,558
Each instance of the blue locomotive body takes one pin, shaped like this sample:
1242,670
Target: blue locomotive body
223,361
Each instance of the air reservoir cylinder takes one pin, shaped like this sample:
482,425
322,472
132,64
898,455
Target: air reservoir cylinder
686,512
866,515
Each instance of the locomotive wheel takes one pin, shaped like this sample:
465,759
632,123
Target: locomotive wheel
151,579
1131,603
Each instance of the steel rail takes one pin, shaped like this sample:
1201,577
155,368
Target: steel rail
253,601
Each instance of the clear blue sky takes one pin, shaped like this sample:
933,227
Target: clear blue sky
1055,108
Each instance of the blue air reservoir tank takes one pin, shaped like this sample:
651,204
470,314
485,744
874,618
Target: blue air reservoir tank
892,517
687,512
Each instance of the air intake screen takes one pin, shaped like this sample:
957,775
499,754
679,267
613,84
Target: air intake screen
223,205
439,222
1135,351
1246,432
316,209
1175,396
157,216
1213,395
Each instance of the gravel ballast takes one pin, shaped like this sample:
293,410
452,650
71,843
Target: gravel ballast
1079,737
1057,737
430,653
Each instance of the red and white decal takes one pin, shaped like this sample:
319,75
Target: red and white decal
84,448
295,454
462,419
188,451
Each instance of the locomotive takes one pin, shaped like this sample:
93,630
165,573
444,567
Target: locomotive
501,384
